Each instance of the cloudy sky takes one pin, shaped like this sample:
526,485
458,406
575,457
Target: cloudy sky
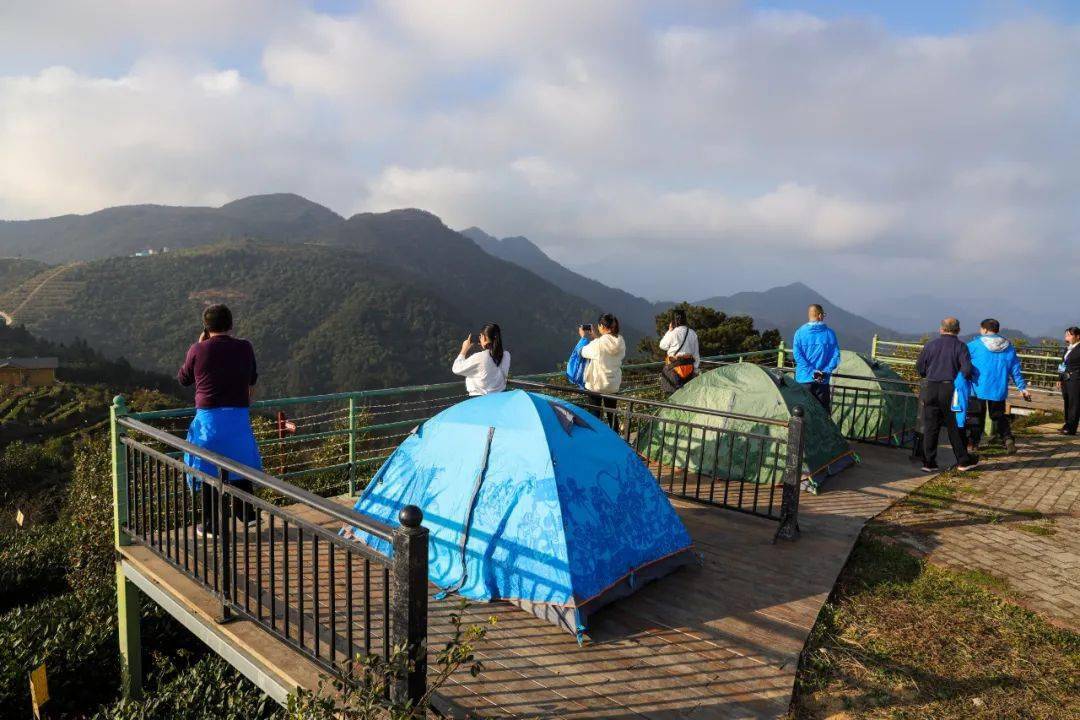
679,149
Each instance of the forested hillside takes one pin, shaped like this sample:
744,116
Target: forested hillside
385,308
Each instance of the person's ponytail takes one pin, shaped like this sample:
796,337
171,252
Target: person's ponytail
610,322
494,335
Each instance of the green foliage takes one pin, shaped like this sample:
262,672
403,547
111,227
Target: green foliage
89,511
718,333
74,634
30,481
33,564
210,688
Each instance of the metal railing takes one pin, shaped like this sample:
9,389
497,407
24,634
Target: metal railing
330,444
725,459
1039,365
286,569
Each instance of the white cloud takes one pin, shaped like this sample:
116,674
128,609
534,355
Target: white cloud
595,128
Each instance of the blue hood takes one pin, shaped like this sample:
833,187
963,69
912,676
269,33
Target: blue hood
995,361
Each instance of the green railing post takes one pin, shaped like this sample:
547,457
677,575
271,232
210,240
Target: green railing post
119,467
128,613
128,597
873,347
780,355
352,446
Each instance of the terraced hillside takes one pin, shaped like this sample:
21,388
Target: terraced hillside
46,292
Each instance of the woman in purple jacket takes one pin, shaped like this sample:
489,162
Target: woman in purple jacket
222,369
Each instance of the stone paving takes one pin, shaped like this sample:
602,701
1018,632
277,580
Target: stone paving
1017,518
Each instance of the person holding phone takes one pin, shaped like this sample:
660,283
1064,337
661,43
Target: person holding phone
603,376
575,366
485,371
222,369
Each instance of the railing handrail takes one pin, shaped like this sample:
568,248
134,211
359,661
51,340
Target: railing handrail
287,490
652,403
303,400
409,389
1024,355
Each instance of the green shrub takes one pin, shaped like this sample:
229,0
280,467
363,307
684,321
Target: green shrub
30,478
33,564
210,688
74,634
90,512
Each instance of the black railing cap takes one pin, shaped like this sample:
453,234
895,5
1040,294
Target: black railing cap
411,516
798,411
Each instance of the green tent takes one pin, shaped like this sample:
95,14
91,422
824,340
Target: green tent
752,457
878,406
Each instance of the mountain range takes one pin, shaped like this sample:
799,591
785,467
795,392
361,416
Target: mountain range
383,299
374,299
283,217
782,308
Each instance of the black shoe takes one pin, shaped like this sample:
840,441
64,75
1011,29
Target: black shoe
1063,431
971,464
205,533
931,468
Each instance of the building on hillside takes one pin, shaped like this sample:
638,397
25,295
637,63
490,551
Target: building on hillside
28,372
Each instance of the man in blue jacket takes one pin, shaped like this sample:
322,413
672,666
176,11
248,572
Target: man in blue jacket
995,361
817,353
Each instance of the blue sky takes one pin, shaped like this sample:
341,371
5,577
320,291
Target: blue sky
932,17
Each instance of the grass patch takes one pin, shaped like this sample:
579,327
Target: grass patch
940,492
903,639
984,579
1033,529
1026,424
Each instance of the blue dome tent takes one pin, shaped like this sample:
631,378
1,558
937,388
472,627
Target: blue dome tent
531,500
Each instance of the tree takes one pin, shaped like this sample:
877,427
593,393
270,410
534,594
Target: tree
718,333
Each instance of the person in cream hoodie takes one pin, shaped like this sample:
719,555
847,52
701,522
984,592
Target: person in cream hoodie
603,375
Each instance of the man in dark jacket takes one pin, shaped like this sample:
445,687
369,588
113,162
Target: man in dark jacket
939,363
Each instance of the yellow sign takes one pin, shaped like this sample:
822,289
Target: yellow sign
19,518
39,690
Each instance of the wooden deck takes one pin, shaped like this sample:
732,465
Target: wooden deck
716,641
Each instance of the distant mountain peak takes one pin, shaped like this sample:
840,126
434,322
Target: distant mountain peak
278,207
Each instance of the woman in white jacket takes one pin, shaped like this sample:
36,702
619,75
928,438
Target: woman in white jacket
485,371
604,371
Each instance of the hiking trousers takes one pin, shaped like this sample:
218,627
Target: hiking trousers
977,412
938,413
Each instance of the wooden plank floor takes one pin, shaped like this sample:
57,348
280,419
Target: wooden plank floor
715,641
